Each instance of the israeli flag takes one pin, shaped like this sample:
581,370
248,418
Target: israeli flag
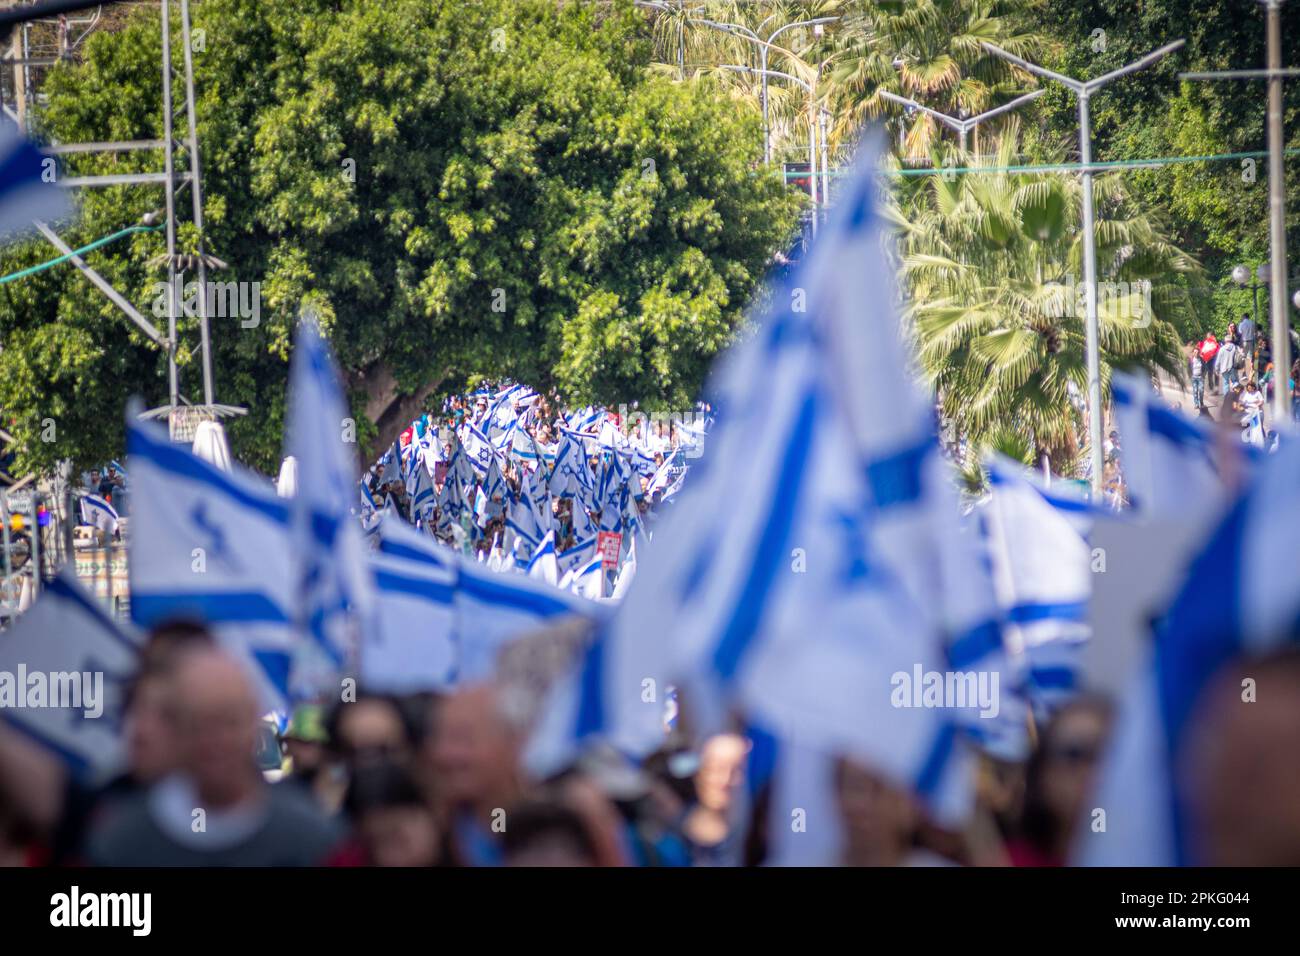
1239,601
477,448
413,648
419,487
26,192
839,511
524,448
63,670
1041,568
1171,463
522,516
569,472
587,419
98,513
543,564
211,546
491,609
332,585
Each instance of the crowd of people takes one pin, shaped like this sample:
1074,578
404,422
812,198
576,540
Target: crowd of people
494,472
440,778
1239,369
436,780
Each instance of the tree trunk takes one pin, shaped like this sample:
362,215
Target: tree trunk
387,407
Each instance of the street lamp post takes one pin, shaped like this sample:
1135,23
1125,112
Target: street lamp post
811,90
817,23
1274,73
1242,274
1083,91
961,125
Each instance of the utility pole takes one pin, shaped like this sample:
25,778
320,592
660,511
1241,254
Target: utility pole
1083,91
1279,322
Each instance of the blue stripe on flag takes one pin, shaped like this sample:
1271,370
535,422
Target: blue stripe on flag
770,548
931,775
978,642
591,697
1061,611
896,479
386,580
149,610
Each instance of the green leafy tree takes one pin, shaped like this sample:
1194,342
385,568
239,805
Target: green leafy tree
1217,211
499,187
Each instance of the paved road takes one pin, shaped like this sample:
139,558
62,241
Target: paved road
1176,395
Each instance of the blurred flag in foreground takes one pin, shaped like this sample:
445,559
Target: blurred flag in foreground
211,546
333,601
806,576
1240,601
63,670
27,188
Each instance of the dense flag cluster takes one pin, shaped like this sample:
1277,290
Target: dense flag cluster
559,496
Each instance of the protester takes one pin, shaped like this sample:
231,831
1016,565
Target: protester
1209,349
392,823
712,826
215,810
476,764
1246,329
1196,365
1240,767
1058,780
1227,363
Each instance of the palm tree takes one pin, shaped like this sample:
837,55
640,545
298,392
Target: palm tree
929,51
991,262
690,42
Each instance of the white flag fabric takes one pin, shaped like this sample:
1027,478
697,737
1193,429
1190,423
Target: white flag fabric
210,444
286,486
63,669
840,511
1169,460
333,593
211,546
1248,567
97,512
413,646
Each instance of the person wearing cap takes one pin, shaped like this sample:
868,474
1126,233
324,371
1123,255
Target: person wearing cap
304,742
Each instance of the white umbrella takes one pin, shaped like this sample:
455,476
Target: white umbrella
210,444
286,486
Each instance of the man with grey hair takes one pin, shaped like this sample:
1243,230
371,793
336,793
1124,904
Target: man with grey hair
216,810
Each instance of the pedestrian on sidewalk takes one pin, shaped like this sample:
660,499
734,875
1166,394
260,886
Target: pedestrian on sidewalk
1246,329
1209,349
1197,367
1227,363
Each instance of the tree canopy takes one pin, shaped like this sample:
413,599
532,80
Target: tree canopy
492,188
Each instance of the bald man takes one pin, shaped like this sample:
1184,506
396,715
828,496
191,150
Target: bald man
216,810
1241,765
